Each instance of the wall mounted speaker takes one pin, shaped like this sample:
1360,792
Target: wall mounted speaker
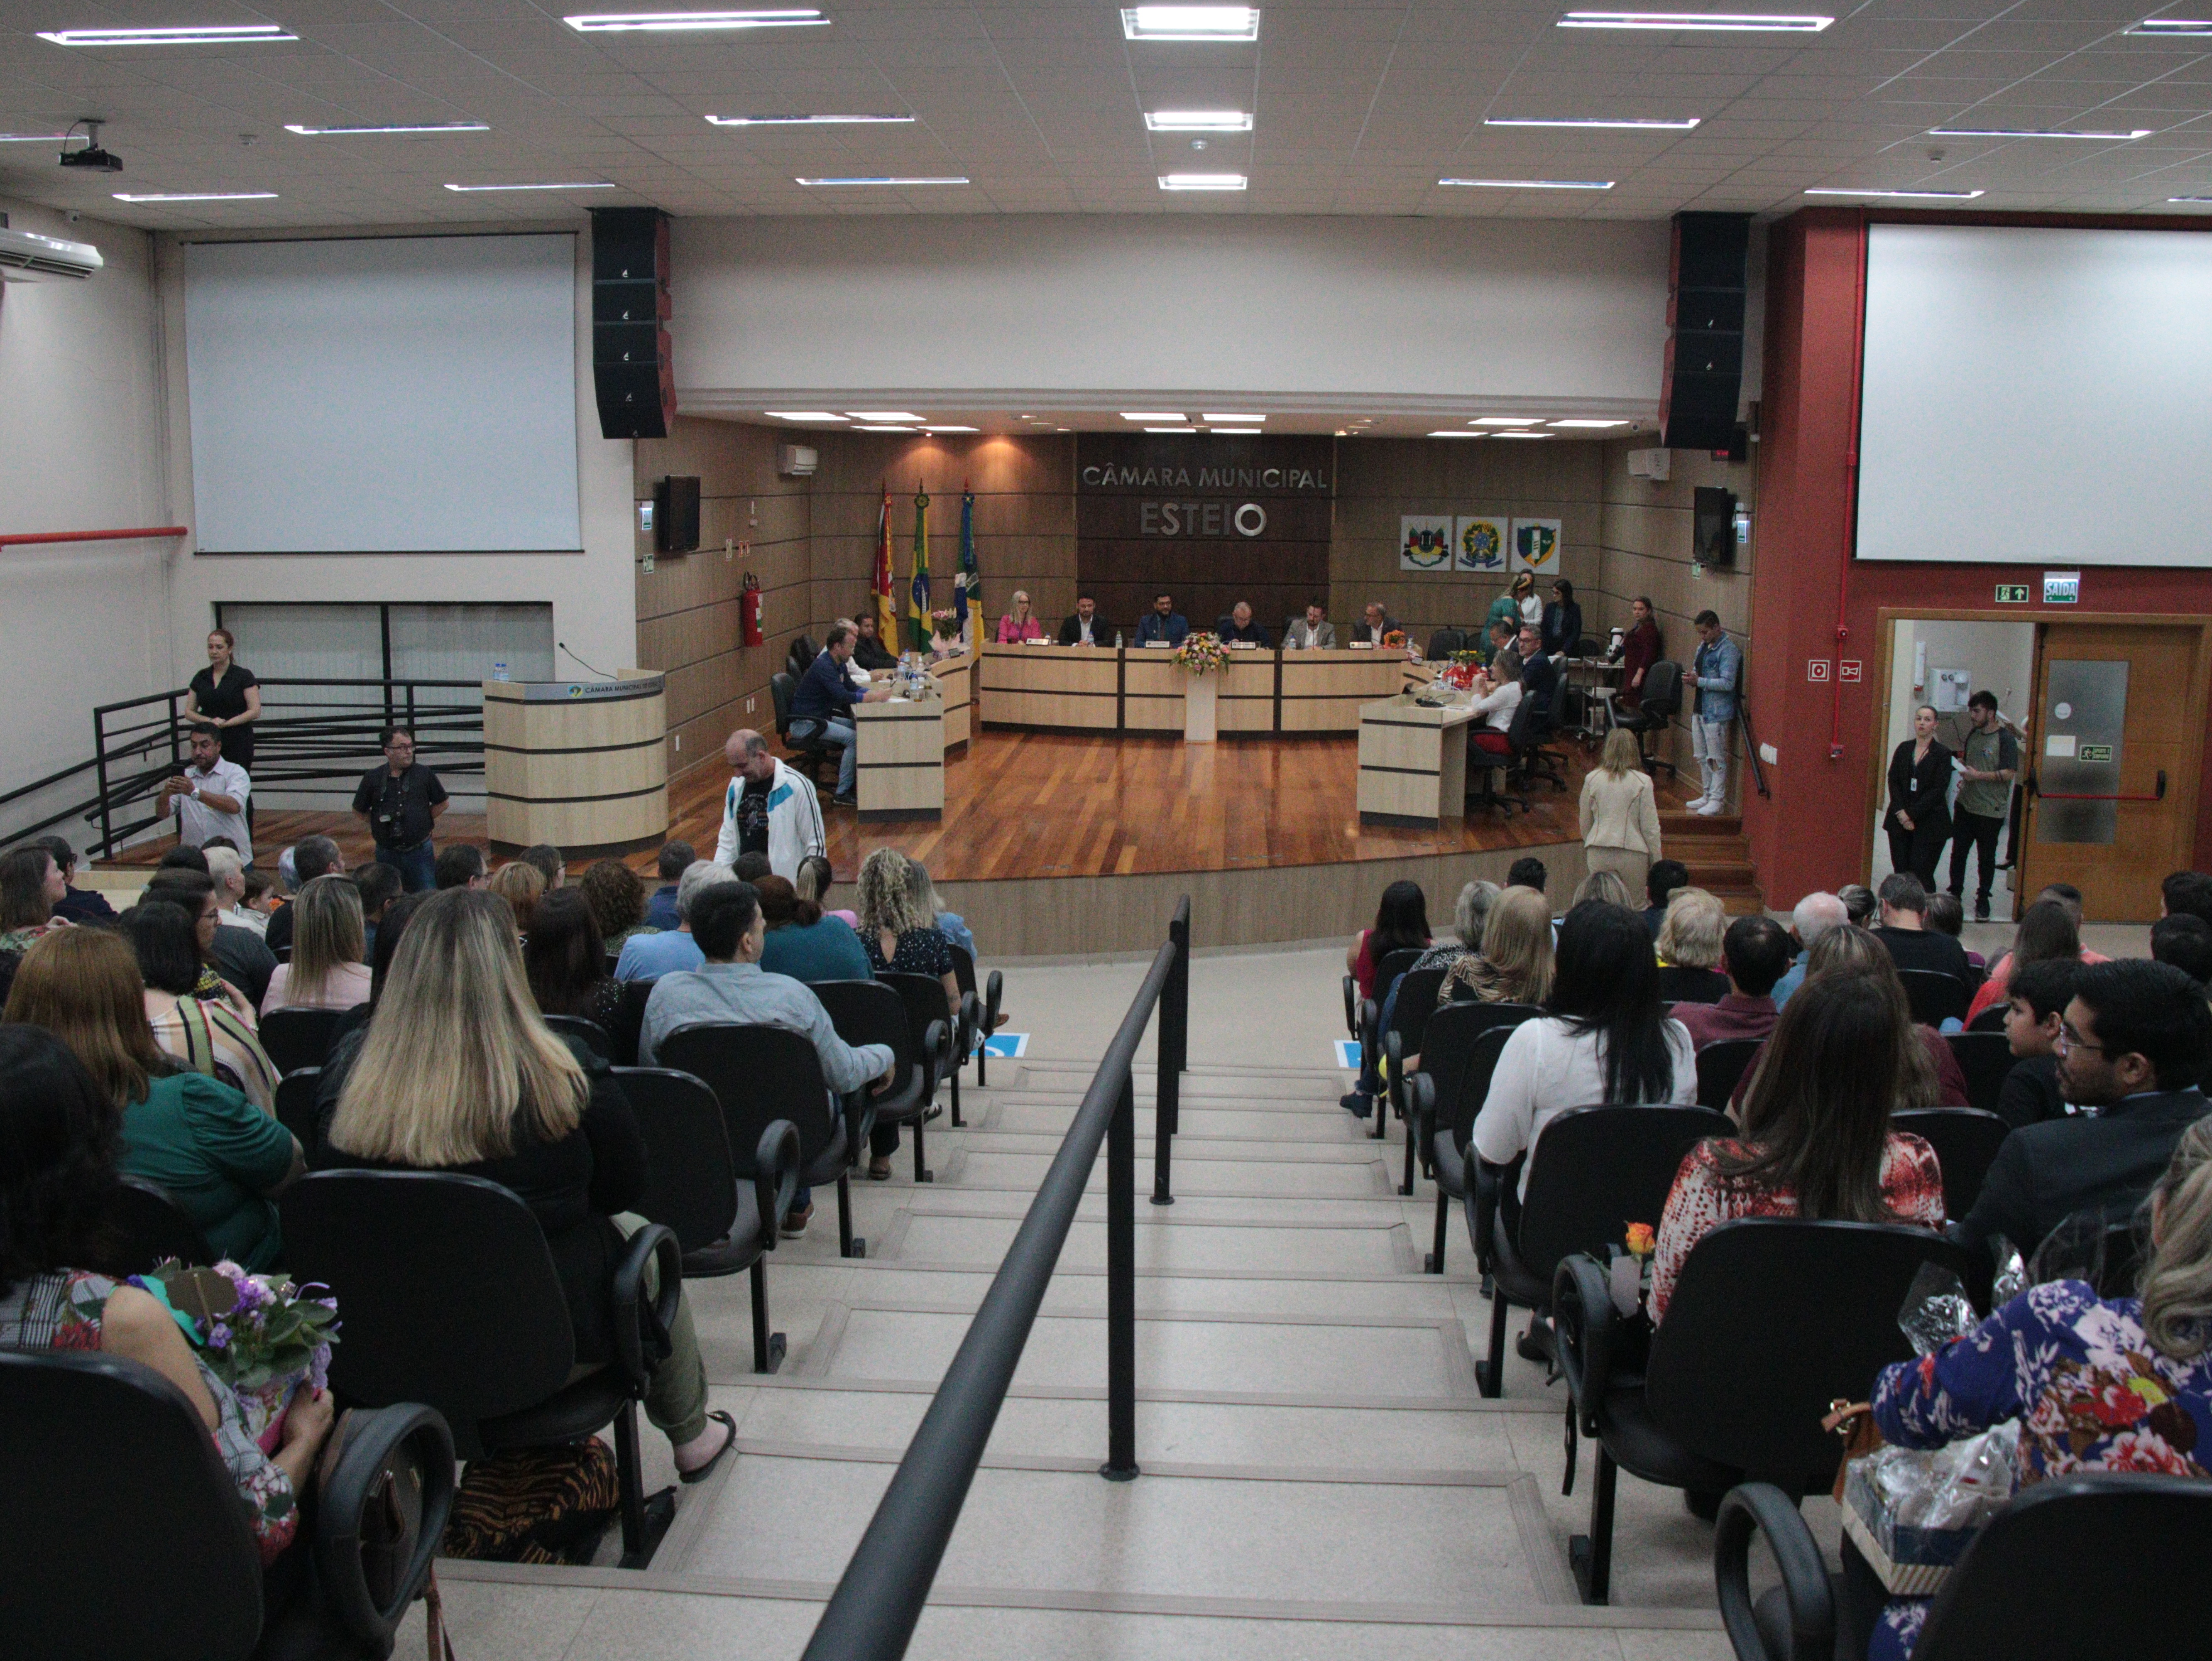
676,515
631,371
1705,286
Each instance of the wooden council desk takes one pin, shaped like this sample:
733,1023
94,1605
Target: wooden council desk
582,765
1413,762
1134,689
898,763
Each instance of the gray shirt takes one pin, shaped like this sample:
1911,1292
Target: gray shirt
744,994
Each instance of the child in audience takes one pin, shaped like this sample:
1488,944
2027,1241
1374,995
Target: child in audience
2035,1002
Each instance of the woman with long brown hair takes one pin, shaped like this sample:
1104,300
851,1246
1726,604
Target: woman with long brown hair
329,941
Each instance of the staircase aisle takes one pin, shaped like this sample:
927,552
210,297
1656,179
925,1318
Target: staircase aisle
1321,1477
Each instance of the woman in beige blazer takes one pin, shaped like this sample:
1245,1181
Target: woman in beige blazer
1619,815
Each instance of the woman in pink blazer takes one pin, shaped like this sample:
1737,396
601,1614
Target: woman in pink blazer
1019,624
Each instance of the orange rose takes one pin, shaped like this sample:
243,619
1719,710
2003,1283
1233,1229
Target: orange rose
1643,1239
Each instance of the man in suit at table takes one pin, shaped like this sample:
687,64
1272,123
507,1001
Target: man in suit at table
1163,625
1374,625
1238,629
1084,627
1312,630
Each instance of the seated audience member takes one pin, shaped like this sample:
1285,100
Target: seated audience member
1163,625
751,867
1020,623
1607,888
219,1156
262,898
2132,1044
32,889
1084,626
565,961
2118,1383
952,924
1528,872
899,939
1689,947
389,933
2185,941
646,956
186,856
550,863
1932,1076
2184,893
1602,1039
805,943
813,883
78,904
1402,924
731,989
1858,904
868,650
458,1071
521,884
1904,930
1469,914
312,857
1947,914
60,1142
675,859
235,956
195,1016
1310,631
1659,885
2035,1004
460,865
1816,1139
227,872
326,971
1815,916
1238,628
378,886
2047,931
1515,963
1754,952
617,897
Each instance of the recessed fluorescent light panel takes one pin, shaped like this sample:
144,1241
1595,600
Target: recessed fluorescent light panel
1592,426
216,35
33,137
354,132
1198,120
1529,183
1506,421
2173,25
197,196
801,414
1154,414
574,184
880,180
949,429
1239,432
1236,419
1170,429
1710,22
1190,22
2019,132
1913,195
881,426
1201,181
808,120
686,22
1455,434
1521,434
2189,198
885,415
1627,123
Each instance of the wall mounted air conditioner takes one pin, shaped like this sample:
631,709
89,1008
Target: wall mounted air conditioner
796,460
27,257
1657,465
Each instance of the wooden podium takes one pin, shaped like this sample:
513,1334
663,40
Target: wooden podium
582,765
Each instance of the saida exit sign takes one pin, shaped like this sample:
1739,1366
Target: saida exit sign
2012,593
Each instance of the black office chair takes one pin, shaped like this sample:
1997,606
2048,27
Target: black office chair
984,1020
869,1012
1596,1171
722,1222
105,1463
799,656
1720,1069
587,1032
1417,990
299,1037
1771,1320
1992,1019
1661,702
450,1298
762,1075
150,1227
1935,996
1965,1140
1986,1059
1680,983
1443,643
806,754
1520,738
2096,1563
1462,1045
1395,965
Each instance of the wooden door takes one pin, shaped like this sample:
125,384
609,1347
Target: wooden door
2112,757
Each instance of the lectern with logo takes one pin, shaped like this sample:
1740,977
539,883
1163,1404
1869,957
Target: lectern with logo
581,764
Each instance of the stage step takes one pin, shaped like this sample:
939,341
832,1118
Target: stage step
1718,855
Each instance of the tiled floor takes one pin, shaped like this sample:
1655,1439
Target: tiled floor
1322,1479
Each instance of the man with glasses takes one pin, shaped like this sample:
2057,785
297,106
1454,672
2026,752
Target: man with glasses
402,801
2131,1046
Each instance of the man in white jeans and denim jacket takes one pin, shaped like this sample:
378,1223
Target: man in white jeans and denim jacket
1716,672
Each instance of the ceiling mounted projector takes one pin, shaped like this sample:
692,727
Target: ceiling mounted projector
27,257
91,155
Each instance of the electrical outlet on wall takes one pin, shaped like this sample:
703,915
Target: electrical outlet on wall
752,513
679,743
749,706
728,547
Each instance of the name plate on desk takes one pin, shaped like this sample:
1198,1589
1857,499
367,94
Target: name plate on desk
1037,639
576,691
1359,646
1163,645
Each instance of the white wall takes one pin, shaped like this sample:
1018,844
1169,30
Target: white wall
2002,656
1084,312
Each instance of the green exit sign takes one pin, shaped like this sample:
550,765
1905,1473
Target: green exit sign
2012,593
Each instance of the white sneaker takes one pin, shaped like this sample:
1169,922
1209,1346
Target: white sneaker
1694,806
1711,809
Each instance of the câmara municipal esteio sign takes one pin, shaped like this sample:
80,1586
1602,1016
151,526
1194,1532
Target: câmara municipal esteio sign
1130,477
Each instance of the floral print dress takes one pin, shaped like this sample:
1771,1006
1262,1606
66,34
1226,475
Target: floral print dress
2089,1391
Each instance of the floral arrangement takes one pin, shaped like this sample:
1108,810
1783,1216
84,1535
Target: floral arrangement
943,619
259,1333
1395,639
1201,652
1459,673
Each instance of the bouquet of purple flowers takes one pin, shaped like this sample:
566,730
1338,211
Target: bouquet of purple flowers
259,1333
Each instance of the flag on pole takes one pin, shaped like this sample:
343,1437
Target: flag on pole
886,609
918,595
968,585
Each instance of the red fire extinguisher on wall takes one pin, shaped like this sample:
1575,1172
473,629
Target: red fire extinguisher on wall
749,611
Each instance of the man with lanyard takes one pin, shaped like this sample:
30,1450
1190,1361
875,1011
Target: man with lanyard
209,798
767,808
402,800
1986,771
1718,668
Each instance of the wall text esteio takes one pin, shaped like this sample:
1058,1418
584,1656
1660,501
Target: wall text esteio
1199,518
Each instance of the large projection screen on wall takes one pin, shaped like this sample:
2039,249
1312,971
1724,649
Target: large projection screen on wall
383,395
2039,396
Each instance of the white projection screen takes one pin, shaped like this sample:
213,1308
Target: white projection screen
2039,395
384,395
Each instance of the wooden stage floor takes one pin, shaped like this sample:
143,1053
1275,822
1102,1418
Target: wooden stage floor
1029,805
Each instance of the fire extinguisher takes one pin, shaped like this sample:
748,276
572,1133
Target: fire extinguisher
749,611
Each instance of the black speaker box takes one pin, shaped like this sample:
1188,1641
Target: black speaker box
631,370
676,515
1703,372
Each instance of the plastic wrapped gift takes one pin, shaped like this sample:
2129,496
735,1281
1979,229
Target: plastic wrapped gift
1913,1511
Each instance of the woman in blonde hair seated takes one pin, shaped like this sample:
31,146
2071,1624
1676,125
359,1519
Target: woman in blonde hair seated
457,1071
899,938
328,943
521,884
1689,947
1514,964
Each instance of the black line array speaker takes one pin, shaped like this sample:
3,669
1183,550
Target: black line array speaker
1705,321
631,371
676,515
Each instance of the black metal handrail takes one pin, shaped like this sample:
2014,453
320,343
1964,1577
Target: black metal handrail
872,1614
1750,740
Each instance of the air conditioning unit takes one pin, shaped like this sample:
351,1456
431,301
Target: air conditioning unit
796,460
27,257
1656,465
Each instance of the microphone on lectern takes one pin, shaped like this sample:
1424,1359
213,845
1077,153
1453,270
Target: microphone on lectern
563,645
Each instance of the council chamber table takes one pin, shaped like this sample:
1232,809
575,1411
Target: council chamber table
1413,762
898,766
1142,688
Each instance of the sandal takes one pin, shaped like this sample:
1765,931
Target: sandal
707,1470
880,1170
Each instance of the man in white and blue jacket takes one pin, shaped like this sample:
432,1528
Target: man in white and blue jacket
1715,674
767,808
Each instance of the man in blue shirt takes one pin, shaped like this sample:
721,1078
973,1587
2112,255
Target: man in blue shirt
1815,917
1716,672
822,705
648,956
1163,625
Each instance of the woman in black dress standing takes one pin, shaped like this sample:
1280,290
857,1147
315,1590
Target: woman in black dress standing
225,696
1919,817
